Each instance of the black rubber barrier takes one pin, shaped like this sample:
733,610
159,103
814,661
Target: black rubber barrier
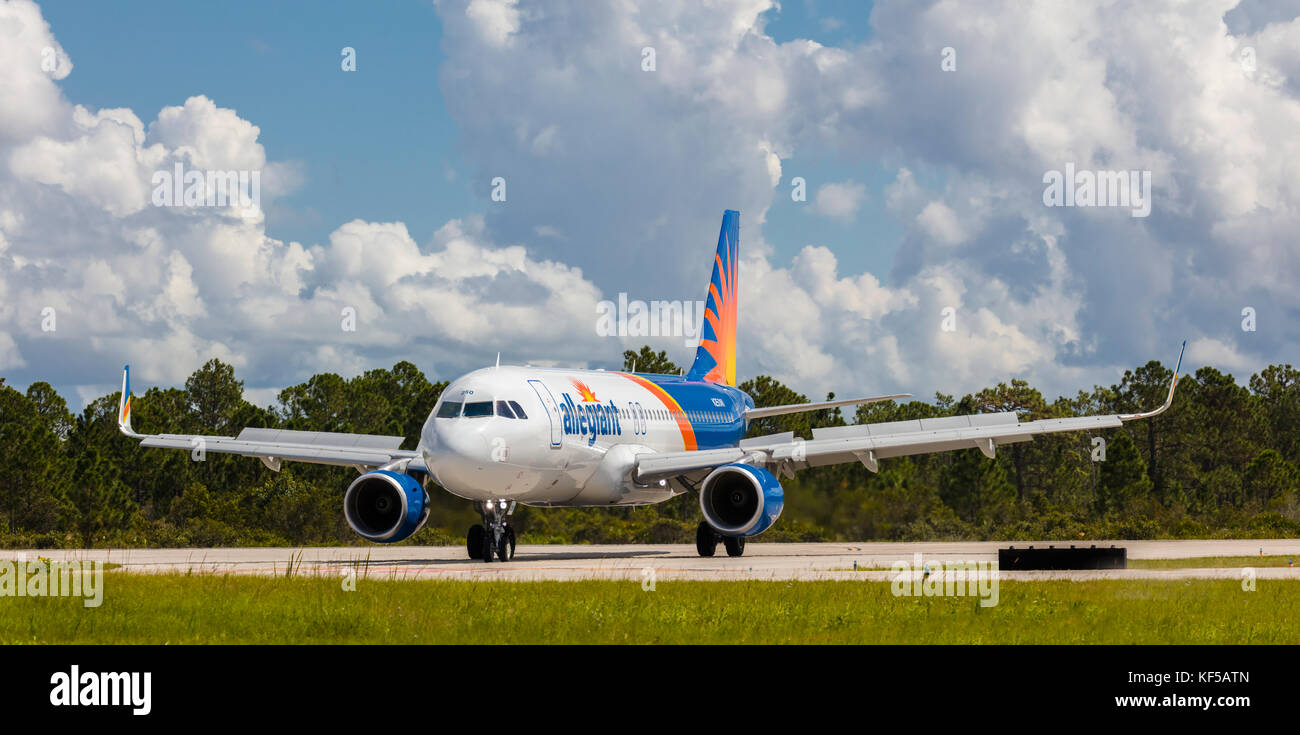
1052,557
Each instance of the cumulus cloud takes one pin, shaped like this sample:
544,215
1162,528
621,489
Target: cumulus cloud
939,222
617,176
32,60
839,200
167,288
495,20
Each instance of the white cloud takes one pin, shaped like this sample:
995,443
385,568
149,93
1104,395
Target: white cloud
495,20
1211,351
29,99
634,168
839,200
940,223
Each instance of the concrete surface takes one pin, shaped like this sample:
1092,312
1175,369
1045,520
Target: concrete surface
768,561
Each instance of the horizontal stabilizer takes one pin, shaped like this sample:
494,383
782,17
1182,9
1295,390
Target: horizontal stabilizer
758,413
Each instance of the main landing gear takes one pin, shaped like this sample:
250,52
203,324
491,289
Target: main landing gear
706,541
494,537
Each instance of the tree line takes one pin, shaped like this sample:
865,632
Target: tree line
1222,462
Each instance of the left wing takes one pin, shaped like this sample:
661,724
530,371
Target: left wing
869,443
273,446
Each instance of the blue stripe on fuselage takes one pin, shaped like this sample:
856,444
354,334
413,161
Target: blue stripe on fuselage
715,425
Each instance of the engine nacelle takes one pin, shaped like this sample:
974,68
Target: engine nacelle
740,500
385,506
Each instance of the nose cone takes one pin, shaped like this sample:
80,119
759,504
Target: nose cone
465,459
455,450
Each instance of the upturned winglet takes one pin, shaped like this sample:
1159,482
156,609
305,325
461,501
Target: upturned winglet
1168,400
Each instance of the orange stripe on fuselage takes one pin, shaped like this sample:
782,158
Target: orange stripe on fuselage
674,409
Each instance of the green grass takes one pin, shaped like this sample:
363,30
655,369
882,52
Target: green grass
1210,562
234,609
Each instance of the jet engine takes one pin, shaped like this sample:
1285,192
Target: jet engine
385,506
741,500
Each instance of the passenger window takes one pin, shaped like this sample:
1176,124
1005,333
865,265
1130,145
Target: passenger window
503,409
519,410
449,409
477,409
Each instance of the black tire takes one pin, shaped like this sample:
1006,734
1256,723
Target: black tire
474,541
706,539
735,546
506,546
488,550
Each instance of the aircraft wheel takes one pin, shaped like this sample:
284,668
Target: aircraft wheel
474,541
706,539
735,546
506,546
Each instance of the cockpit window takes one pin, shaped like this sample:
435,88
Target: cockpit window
475,409
449,409
519,410
503,409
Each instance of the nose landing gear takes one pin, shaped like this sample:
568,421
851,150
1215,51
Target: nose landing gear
494,537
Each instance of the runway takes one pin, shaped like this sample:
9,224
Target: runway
663,562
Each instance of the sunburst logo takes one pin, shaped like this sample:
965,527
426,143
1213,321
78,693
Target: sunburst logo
587,395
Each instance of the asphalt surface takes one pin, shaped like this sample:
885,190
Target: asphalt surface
765,561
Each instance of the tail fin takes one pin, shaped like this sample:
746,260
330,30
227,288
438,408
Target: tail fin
124,404
715,358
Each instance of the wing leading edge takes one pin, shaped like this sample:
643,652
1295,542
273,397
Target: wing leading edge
869,443
274,446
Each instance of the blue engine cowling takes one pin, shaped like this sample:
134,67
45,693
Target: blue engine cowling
740,500
385,506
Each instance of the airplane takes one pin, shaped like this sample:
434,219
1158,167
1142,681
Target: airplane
553,437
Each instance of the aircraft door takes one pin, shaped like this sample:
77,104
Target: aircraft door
552,411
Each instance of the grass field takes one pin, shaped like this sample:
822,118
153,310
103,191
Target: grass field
1212,562
233,609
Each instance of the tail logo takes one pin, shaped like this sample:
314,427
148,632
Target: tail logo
715,358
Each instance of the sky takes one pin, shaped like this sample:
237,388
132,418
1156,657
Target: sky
923,256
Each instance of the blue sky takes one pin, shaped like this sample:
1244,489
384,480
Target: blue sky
924,186
377,144
380,144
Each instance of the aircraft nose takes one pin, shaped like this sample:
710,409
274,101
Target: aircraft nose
462,456
451,449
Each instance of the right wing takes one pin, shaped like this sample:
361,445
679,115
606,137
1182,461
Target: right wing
869,443
362,451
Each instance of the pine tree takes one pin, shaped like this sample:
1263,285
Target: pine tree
1122,477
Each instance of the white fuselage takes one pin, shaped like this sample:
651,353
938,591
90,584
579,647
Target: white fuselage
580,435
